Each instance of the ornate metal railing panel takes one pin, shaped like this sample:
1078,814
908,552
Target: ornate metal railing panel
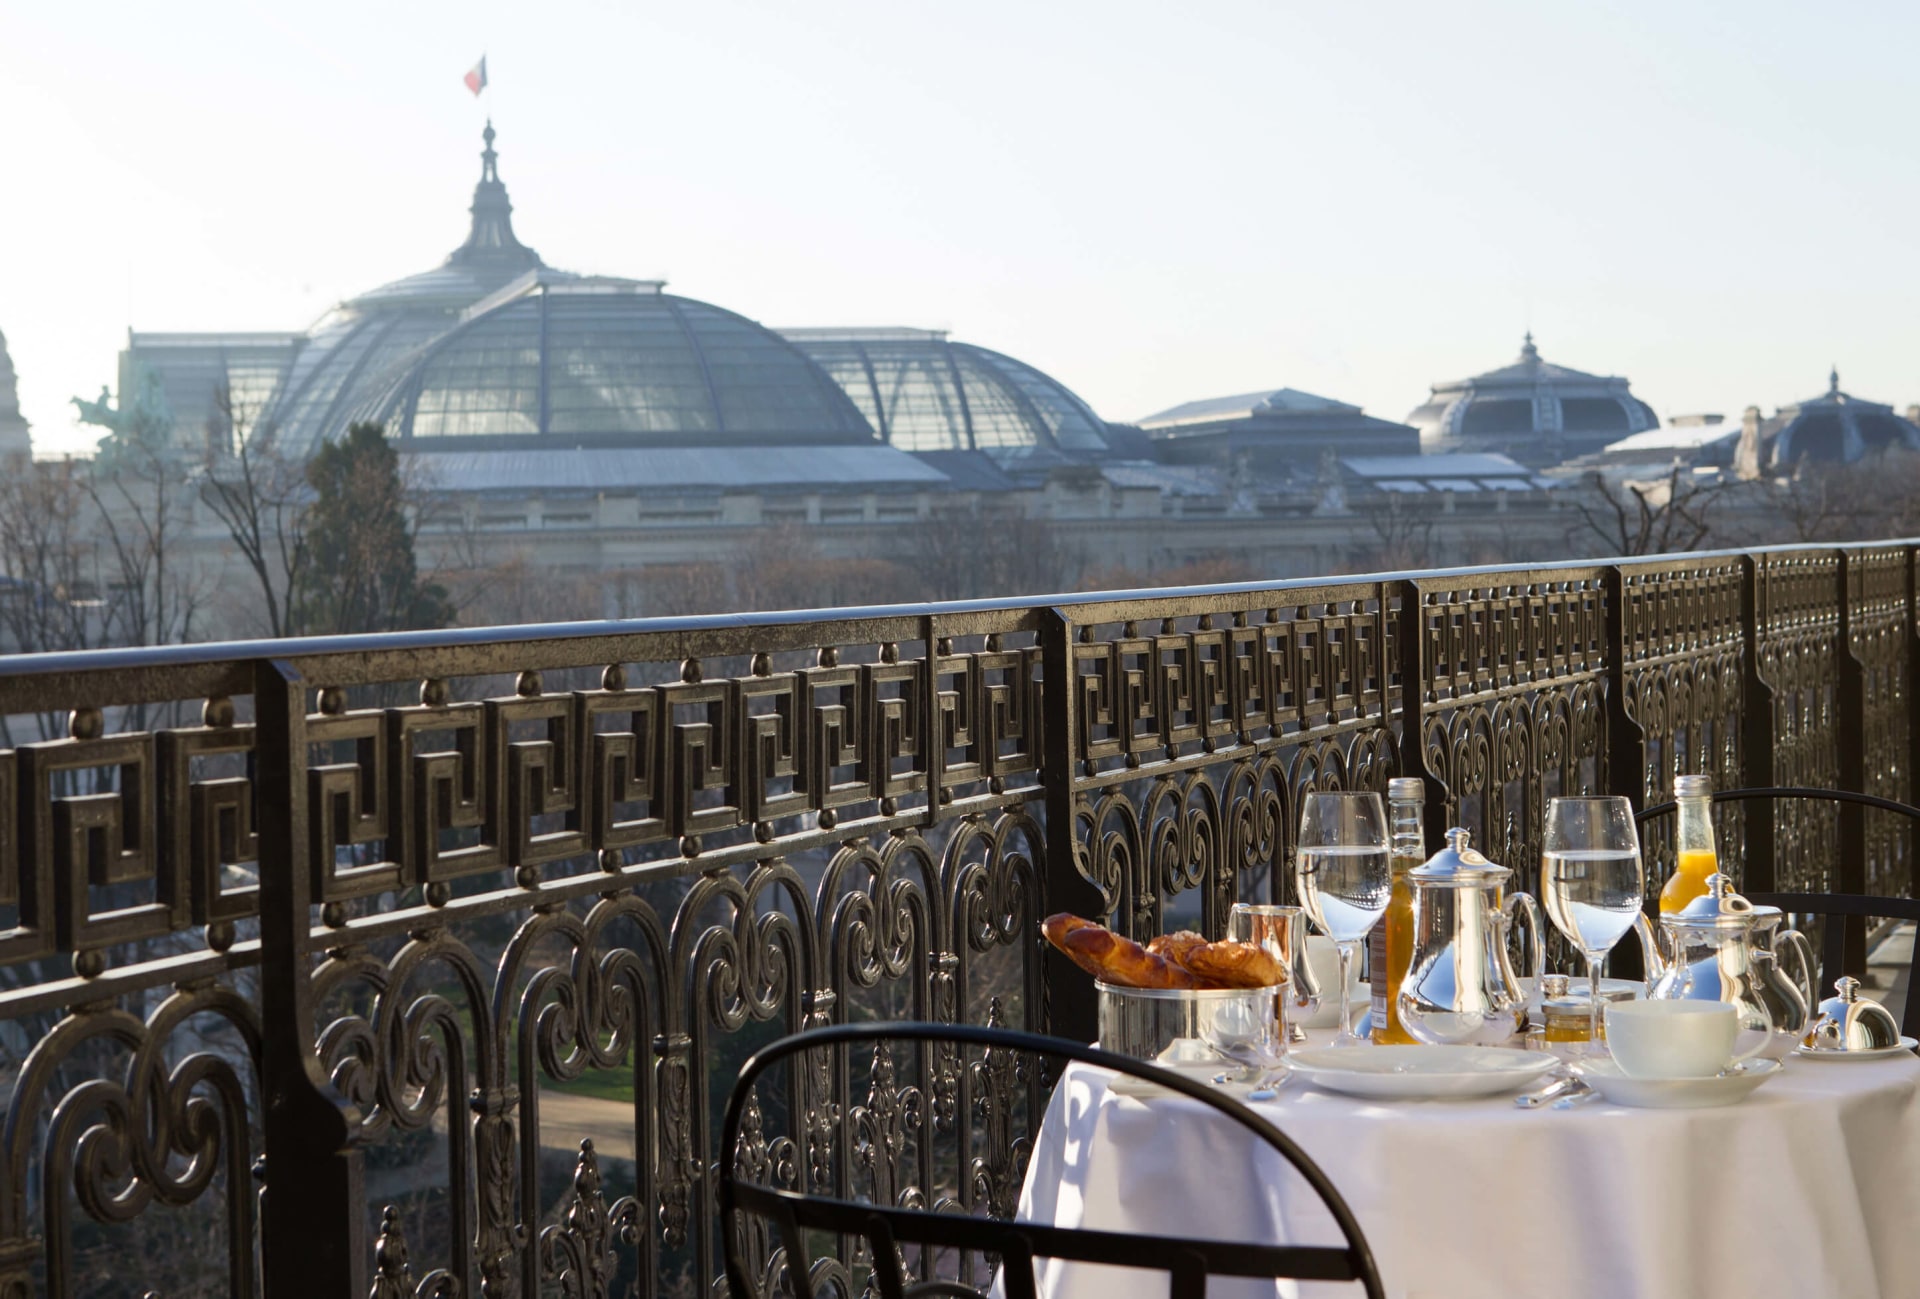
321,962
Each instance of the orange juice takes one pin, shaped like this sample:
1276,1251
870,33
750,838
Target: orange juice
1390,945
1689,879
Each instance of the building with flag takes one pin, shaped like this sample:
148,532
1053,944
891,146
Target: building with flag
595,423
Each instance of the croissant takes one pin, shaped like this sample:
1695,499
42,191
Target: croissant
1175,946
1233,965
1109,957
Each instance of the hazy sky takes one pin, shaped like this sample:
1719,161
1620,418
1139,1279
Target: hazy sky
1154,202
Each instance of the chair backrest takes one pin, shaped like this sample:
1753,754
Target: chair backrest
1788,791
1832,955
952,1237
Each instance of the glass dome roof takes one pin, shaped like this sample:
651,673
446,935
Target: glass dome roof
494,346
598,361
922,392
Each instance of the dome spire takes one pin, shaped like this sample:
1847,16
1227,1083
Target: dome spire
491,245
1528,352
1833,381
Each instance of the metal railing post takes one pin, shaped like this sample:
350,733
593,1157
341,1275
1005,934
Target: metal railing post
1071,1008
1756,734
1911,790
313,1227
1626,773
1850,731
1413,711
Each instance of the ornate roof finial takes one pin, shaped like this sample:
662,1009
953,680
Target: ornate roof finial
490,241
1528,352
1833,382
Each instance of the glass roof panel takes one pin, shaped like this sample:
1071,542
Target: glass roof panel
1070,420
617,366
484,383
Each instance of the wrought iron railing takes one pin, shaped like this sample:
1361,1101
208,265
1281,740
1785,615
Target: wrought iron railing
347,964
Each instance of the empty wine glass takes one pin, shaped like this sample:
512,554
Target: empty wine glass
1593,881
1342,869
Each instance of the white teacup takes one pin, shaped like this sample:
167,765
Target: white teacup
1671,1039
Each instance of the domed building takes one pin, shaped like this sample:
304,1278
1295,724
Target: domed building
494,351
1833,428
1535,411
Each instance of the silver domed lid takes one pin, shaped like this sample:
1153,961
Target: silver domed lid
1847,1023
1718,908
1459,863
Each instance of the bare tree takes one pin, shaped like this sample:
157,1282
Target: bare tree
1877,496
1653,517
969,555
1403,533
141,502
262,498
49,560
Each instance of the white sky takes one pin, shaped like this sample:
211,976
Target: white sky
1155,202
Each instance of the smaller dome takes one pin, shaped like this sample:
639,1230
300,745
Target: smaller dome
924,392
1833,428
597,361
1533,410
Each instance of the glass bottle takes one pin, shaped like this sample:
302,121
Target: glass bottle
1390,945
1692,841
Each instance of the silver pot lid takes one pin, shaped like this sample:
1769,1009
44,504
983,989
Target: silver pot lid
1718,908
1850,1023
1459,863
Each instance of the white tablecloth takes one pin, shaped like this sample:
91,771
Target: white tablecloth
1811,1187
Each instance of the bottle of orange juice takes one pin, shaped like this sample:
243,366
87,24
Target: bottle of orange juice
1693,840
1390,945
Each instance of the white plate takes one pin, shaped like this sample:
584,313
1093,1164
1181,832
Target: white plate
1677,1093
1420,1072
1882,1053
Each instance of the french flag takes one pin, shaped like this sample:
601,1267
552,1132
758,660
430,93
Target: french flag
476,77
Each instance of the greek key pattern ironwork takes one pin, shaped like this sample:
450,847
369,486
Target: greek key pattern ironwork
493,918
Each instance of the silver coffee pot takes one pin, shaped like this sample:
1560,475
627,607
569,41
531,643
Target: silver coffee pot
1460,986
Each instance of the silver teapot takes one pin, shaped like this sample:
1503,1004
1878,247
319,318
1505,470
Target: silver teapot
1720,947
1460,987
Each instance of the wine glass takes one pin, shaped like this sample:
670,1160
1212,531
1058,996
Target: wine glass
1342,868
1593,881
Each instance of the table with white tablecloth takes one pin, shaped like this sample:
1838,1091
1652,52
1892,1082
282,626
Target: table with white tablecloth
1810,1187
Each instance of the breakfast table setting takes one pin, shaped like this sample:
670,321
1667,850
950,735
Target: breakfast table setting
1719,1129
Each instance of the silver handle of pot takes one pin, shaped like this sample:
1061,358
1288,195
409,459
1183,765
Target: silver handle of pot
1536,929
1809,972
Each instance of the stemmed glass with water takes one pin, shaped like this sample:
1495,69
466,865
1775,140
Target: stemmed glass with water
1343,871
1593,881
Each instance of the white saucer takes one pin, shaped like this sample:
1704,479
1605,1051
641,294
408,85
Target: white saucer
1420,1072
1727,1088
1879,1053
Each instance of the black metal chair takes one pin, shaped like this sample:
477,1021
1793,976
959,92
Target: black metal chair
1832,958
956,1232
1849,906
